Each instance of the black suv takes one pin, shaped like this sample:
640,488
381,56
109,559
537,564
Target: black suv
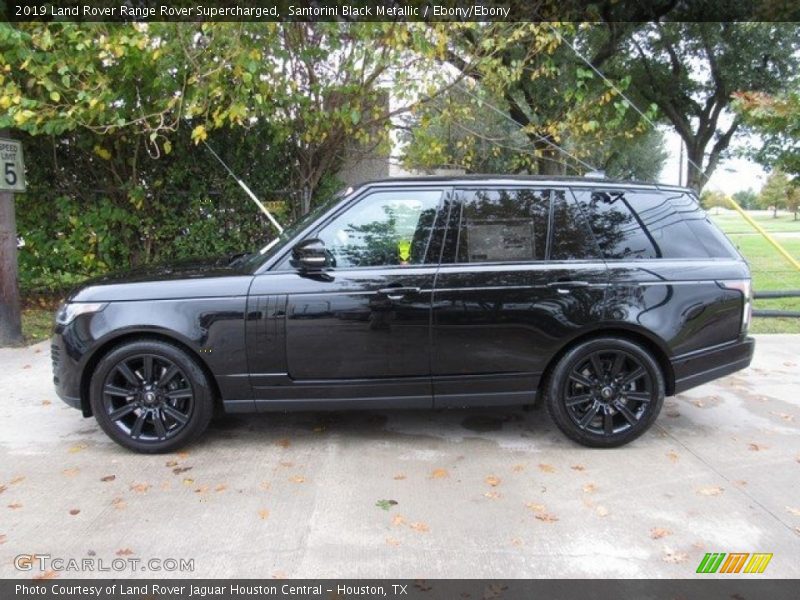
601,297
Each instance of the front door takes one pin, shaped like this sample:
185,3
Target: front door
360,331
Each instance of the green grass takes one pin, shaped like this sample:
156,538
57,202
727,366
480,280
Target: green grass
770,270
37,324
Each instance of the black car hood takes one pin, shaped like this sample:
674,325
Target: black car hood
187,279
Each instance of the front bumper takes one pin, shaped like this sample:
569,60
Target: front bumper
702,366
66,372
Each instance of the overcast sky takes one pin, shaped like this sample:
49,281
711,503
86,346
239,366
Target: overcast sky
730,176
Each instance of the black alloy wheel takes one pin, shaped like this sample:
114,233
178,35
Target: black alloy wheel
150,396
605,392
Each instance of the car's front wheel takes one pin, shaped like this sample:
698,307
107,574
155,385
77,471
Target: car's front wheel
150,396
605,392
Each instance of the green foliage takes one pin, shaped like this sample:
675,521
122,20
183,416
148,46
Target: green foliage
713,199
746,198
775,191
99,203
777,120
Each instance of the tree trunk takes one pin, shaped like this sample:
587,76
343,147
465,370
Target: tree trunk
695,179
10,318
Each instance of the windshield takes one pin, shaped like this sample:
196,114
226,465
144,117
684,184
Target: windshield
252,261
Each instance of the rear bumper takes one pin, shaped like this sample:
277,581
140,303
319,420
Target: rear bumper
697,368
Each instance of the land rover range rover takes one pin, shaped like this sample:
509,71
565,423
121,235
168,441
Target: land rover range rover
600,297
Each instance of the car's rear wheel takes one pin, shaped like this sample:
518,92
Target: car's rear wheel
605,392
150,396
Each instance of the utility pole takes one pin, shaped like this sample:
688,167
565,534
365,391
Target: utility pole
10,318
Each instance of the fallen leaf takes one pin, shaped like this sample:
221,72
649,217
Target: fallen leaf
698,403
589,488
740,482
674,557
179,470
399,477
493,495
17,479
286,463
75,511
674,414
673,456
385,504
264,486
263,514
786,417
756,447
547,468
49,574
71,472
283,443
516,542
15,505
108,478
493,481
518,468
221,488
2,489
119,503
710,491
439,474
535,507
26,367
546,517
188,481
140,487
419,527
602,511
390,541
2,539
398,520
794,511
656,533
77,448
46,403
124,552
201,490
797,530
171,463
182,455
578,468
297,479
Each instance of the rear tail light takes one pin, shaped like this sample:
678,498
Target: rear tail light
745,287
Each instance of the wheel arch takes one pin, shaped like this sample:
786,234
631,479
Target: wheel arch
110,344
637,336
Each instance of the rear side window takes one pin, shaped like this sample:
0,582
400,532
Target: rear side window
570,236
502,225
642,224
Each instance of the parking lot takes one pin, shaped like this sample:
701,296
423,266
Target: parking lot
462,494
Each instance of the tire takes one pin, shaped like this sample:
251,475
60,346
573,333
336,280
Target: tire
613,407
150,396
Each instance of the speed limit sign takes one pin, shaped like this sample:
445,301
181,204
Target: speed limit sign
12,168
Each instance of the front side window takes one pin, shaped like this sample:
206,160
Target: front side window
390,228
502,225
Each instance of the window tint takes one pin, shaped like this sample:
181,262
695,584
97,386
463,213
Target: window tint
570,236
712,239
634,224
385,228
508,225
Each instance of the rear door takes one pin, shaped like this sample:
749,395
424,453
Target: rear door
520,274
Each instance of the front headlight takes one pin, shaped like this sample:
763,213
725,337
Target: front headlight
69,311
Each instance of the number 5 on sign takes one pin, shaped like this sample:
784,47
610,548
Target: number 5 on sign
12,168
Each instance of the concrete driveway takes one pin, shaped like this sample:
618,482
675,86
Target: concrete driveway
463,494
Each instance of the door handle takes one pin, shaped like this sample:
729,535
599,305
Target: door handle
564,287
398,293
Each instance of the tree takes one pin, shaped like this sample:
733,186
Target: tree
746,198
713,199
793,200
776,119
690,71
775,192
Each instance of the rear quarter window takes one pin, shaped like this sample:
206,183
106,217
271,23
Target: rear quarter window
646,224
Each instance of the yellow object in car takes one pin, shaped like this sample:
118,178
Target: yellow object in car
404,250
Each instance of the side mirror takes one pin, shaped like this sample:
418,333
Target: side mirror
310,255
